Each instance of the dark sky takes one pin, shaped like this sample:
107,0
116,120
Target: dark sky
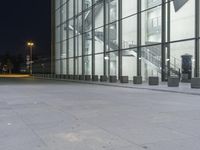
23,20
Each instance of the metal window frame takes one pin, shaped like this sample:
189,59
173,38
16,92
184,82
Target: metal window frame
197,35
93,37
104,49
165,38
53,49
139,36
67,41
163,41
120,39
83,41
74,39
61,36
168,37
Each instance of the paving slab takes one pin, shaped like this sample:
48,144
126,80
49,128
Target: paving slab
40,114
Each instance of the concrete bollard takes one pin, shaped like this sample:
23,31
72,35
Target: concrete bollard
76,77
103,78
124,79
81,77
113,79
137,80
195,83
87,78
95,78
153,80
173,82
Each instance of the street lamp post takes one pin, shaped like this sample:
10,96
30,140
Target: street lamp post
30,45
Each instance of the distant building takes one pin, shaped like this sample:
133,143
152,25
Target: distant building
126,38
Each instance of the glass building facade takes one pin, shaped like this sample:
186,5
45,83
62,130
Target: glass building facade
126,38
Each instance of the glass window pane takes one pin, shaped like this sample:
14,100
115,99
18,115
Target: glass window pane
57,35
64,13
88,65
71,66
71,28
129,33
146,4
129,7
71,47
112,11
112,37
151,26
183,59
57,4
57,54
78,65
99,64
151,61
63,32
63,66
78,6
57,17
71,8
57,67
87,21
78,48
63,49
87,4
63,2
182,21
129,58
87,43
99,15
99,40
112,63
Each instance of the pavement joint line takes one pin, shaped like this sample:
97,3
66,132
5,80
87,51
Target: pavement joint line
122,86
31,129
101,128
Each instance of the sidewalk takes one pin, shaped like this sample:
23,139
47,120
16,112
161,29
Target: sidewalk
184,88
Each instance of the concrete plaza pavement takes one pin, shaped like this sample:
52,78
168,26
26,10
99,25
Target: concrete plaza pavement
55,115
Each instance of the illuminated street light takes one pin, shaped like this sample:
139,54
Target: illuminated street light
30,45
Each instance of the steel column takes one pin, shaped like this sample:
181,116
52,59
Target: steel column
104,49
168,37
67,36
74,33
83,39
53,49
93,37
120,40
61,35
163,55
197,24
139,33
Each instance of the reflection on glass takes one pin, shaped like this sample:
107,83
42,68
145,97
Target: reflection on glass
151,61
84,33
182,21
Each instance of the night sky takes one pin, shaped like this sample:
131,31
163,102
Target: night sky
23,20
